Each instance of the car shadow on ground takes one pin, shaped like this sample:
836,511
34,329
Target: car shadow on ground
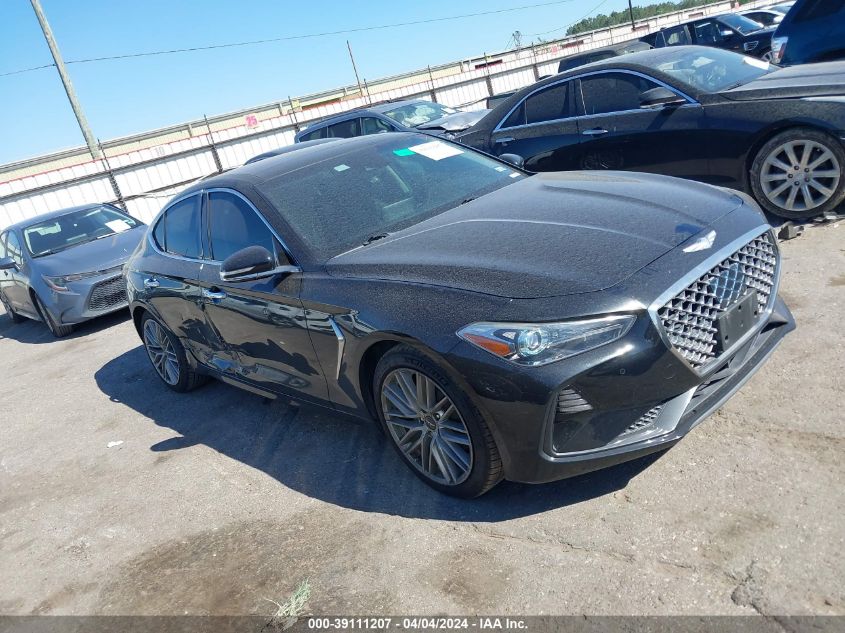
319,453
324,455
36,333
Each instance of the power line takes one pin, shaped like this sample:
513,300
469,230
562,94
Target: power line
25,70
294,37
312,35
566,26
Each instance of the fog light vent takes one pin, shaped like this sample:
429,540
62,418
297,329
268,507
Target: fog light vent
570,401
645,421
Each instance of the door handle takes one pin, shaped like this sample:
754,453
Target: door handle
213,295
596,131
504,139
152,282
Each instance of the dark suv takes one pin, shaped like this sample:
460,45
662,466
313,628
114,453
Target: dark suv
812,31
729,31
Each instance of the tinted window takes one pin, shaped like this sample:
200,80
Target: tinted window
310,136
13,249
613,92
372,125
391,183
345,129
815,9
548,105
517,117
675,37
708,32
234,225
178,230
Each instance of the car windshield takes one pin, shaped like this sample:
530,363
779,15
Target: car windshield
75,228
712,69
740,23
414,114
367,191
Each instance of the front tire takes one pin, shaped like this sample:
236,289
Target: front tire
797,174
55,328
433,425
168,357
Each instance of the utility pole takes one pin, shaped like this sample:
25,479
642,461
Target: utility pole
355,68
631,12
60,66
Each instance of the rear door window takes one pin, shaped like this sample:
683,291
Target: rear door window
233,225
310,136
178,230
549,104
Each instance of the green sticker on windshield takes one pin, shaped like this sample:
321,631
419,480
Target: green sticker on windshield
404,152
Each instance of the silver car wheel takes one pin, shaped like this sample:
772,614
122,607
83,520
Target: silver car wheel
161,352
800,175
426,426
768,56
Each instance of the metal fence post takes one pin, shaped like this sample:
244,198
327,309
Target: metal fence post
112,180
213,146
431,81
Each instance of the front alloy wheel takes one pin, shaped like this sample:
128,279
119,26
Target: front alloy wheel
433,425
426,426
798,174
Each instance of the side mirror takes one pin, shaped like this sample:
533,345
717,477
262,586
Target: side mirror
660,98
514,159
7,263
252,262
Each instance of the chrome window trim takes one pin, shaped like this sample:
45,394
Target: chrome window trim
200,193
681,93
700,270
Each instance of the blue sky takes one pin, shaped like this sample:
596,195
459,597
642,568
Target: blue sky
122,97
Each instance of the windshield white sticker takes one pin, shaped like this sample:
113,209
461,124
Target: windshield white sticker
757,63
436,150
118,226
500,168
341,168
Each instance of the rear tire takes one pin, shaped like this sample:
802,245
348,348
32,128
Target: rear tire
798,174
14,316
433,425
168,357
57,330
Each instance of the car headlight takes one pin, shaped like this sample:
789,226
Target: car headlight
750,46
533,344
60,283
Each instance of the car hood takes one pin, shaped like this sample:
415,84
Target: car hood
548,235
809,80
102,254
457,122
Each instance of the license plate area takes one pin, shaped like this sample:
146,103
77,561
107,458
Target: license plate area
737,320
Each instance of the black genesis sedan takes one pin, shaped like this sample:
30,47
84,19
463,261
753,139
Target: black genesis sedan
496,324
694,112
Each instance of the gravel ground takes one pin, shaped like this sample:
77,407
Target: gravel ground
217,501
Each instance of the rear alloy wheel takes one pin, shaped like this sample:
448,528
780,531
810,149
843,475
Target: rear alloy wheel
14,316
767,57
167,356
55,328
433,426
798,174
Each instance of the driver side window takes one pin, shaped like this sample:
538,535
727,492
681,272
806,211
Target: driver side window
613,92
13,248
2,245
233,225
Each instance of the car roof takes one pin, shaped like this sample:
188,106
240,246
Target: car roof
51,215
288,148
263,170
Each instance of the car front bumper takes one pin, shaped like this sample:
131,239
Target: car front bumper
545,437
87,299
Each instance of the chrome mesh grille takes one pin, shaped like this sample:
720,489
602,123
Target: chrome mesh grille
689,317
108,294
646,420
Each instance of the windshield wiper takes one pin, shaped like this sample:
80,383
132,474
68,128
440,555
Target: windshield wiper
375,237
466,200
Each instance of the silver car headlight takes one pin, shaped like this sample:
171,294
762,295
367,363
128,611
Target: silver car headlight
533,344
